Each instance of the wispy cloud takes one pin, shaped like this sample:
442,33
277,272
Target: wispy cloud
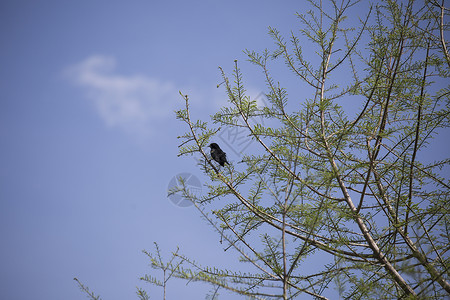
135,104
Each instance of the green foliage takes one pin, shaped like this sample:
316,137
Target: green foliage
351,191
86,290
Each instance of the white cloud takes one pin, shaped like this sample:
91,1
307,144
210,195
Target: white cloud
139,104
134,104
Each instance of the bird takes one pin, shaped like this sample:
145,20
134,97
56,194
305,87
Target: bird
218,155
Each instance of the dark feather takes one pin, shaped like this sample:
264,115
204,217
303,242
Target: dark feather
217,154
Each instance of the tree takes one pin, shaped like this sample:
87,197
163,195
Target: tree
355,190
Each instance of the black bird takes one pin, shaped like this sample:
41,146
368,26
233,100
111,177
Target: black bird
218,155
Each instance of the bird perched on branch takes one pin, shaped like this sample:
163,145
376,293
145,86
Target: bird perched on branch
218,155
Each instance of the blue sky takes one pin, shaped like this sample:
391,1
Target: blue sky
88,135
